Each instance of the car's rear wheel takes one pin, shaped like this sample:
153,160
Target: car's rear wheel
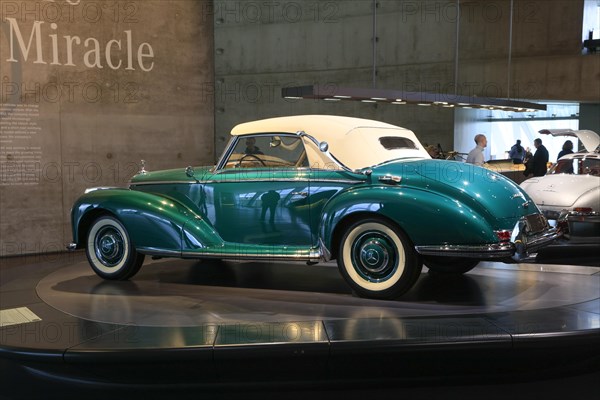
377,259
109,250
450,265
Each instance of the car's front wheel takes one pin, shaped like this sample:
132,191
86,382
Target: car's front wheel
110,251
377,259
450,265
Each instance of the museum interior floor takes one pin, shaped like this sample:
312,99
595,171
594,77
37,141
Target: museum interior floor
186,324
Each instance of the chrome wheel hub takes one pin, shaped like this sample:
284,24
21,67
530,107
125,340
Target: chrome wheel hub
374,256
109,246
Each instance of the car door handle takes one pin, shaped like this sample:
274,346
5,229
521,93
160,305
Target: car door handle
390,179
303,194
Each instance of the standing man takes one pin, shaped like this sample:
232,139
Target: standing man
476,155
517,153
538,166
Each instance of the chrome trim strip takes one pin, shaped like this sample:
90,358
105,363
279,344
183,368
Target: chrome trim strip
163,183
493,250
150,251
583,214
228,150
314,255
349,182
94,189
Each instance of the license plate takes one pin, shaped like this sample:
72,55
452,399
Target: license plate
536,223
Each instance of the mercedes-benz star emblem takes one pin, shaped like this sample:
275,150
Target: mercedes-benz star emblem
372,257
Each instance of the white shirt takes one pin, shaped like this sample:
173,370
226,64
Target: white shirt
476,156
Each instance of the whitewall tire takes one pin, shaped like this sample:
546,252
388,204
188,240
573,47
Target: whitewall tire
109,250
377,259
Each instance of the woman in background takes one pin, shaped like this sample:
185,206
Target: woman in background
567,149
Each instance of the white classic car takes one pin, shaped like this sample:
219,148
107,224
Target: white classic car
570,191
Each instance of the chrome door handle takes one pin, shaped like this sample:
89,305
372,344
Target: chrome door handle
303,194
390,179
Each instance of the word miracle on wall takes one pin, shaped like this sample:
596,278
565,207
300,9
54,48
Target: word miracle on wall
70,45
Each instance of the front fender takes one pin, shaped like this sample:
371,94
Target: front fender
590,199
427,218
154,223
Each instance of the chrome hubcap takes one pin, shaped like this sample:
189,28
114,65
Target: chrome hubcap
109,246
374,256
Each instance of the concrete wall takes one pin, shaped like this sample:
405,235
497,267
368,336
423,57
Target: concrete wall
67,124
589,117
263,46
71,124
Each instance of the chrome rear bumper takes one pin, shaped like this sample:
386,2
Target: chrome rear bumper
522,245
72,246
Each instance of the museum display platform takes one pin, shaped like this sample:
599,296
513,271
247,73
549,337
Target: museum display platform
190,322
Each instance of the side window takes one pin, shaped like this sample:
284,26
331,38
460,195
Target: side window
394,142
268,151
565,167
591,166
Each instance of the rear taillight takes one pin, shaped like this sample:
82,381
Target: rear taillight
503,235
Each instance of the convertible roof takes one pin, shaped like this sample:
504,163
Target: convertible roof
354,141
316,125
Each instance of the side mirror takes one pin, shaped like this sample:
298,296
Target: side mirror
323,146
189,171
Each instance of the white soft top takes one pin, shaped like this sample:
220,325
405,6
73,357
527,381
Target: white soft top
354,141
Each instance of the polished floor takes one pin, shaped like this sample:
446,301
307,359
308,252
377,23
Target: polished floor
178,293
211,323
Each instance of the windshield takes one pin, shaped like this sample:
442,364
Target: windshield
267,151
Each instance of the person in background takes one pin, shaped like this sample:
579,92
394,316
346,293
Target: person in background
566,149
517,153
433,151
476,155
538,164
251,147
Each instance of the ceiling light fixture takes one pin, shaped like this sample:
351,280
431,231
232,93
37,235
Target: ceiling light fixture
390,96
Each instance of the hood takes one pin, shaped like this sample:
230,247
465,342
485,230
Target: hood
483,190
589,139
170,175
553,190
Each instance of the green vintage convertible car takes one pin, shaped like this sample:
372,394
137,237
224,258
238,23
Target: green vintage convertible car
316,188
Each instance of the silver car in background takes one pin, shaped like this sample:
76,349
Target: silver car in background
570,192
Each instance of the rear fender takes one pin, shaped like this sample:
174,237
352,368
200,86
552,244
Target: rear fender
154,223
427,218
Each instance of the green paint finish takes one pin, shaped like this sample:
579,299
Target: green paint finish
286,212
151,220
433,199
